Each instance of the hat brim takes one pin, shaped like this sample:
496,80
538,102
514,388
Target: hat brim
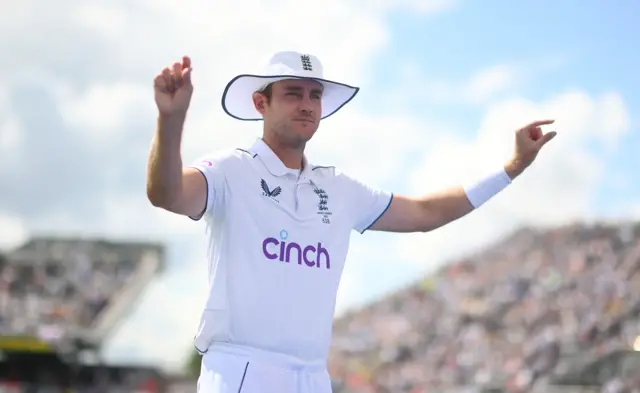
237,99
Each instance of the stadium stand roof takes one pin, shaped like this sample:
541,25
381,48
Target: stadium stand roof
73,290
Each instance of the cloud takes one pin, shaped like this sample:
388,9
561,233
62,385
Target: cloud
11,136
489,82
14,231
480,87
557,188
613,120
103,109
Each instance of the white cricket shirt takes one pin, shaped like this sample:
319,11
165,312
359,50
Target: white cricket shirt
278,239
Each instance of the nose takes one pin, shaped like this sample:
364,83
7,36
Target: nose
306,104
306,112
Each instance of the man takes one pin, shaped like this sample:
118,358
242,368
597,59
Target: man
279,226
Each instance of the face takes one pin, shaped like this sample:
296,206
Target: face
293,112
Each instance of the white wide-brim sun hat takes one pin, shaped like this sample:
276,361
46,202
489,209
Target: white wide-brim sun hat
237,99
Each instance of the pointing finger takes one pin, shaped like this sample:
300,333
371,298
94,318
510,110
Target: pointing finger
540,123
186,62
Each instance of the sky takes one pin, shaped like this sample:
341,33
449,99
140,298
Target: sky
444,85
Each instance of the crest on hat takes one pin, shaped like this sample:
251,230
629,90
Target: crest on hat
306,62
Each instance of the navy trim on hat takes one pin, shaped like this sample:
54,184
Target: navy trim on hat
226,90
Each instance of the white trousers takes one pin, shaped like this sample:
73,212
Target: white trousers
229,368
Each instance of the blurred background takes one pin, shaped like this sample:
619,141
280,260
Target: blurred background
538,291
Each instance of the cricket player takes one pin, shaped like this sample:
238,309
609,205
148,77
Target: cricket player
278,225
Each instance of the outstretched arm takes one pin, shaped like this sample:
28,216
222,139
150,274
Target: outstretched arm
422,214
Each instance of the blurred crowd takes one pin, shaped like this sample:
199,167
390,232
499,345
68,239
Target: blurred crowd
95,380
530,307
59,290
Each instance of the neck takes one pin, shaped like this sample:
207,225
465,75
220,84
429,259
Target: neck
290,155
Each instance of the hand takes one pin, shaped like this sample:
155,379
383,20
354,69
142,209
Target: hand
173,89
529,141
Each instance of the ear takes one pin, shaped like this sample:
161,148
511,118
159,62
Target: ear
260,102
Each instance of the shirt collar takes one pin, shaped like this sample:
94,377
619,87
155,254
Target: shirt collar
275,165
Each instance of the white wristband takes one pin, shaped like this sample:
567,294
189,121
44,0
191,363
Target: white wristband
480,192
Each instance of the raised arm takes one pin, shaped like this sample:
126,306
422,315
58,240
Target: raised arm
169,185
428,212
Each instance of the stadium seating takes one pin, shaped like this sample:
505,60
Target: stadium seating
536,309
529,308
64,290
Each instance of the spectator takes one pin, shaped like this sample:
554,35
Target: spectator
61,288
537,298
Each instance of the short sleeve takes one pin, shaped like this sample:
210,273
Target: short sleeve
367,204
214,168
